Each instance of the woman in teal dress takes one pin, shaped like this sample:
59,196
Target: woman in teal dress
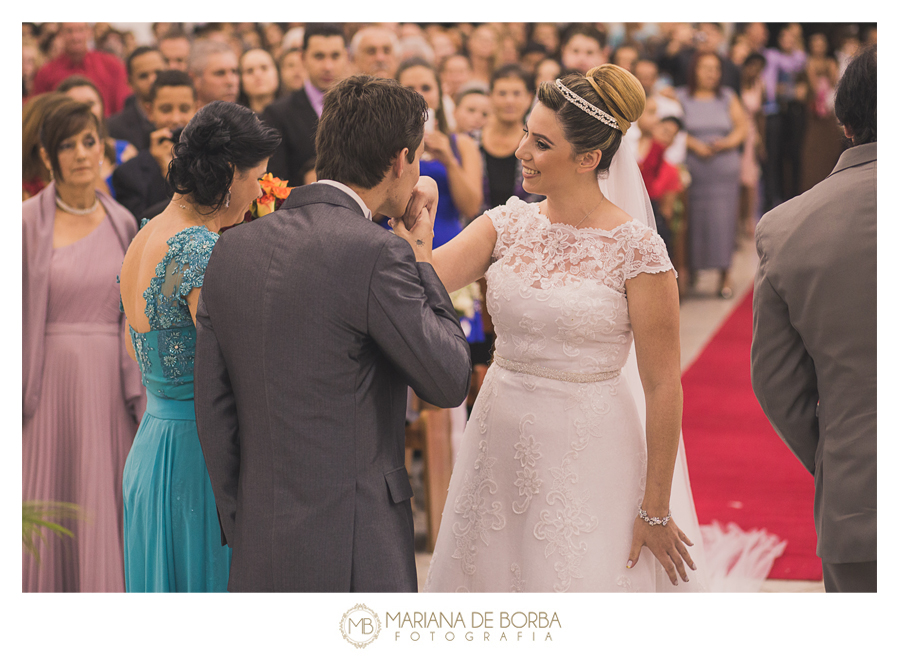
172,537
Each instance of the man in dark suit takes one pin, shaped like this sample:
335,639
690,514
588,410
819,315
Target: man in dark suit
140,183
132,124
814,337
311,324
296,116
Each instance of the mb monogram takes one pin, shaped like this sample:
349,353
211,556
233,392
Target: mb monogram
360,626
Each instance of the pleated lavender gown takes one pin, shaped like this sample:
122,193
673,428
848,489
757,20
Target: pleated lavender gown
75,445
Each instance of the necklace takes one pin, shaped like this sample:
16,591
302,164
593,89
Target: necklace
62,205
589,214
194,220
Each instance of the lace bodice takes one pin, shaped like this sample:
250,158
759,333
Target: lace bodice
556,294
165,354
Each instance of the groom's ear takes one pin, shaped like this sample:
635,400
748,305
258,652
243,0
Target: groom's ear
400,163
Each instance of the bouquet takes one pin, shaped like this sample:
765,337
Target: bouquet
275,191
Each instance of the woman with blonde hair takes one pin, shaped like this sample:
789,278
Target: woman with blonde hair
557,486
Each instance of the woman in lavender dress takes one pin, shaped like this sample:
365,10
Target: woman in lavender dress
81,393
716,128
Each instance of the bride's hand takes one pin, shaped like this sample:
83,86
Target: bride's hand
667,543
424,195
419,236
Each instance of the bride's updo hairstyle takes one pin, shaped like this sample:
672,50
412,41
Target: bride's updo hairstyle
607,87
220,138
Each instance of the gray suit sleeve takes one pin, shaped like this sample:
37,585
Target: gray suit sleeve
782,372
217,424
411,318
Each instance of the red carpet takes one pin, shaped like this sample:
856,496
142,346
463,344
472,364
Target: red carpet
740,470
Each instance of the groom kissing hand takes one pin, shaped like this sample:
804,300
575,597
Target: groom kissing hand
312,322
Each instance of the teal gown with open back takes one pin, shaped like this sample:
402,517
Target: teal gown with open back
172,536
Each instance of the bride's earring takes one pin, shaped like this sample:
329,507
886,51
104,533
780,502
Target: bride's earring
228,199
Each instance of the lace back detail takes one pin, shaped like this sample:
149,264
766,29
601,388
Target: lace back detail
181,270
165,354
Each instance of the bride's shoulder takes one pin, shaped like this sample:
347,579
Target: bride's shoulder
633,230
514,213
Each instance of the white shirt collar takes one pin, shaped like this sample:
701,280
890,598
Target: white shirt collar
353,195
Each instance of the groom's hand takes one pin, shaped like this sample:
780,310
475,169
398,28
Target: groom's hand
424,195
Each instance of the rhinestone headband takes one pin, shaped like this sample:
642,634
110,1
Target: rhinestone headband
582,104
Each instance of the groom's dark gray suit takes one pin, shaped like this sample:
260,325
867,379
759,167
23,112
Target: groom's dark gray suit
312,322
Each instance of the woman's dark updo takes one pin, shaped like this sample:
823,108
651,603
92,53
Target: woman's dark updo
220,138
607,87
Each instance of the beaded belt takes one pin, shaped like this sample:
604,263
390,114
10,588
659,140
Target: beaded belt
558,375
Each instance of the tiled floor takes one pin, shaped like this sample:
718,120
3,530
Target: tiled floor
702,312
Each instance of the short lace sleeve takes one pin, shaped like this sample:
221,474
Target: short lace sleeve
189,253
645,251
177,274
506,220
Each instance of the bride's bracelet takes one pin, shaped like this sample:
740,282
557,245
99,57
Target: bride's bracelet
654,520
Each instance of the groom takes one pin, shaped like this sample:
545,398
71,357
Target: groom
311,324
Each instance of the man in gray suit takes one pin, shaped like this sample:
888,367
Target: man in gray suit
814,337
311,324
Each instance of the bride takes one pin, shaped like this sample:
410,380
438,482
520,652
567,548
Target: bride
557,486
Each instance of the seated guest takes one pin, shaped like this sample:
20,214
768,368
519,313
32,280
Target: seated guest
627,55
663,180
547,70
533,53
106,71
132,124
374,51
583,48
175,47
455,71
473,107
293,73
35,174
214,69
141,182
260,82
296,116
647,73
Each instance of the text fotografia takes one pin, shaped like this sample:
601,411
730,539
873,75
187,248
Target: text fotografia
478,626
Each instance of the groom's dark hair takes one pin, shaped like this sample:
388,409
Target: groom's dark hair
365,123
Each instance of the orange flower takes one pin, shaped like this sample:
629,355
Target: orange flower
264,205
274,186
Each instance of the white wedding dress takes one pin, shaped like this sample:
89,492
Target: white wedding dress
552,467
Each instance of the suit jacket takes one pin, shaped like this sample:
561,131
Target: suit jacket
139,184
312,322
814,346
296,120
131,124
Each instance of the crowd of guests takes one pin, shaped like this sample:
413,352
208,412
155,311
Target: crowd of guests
737,121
